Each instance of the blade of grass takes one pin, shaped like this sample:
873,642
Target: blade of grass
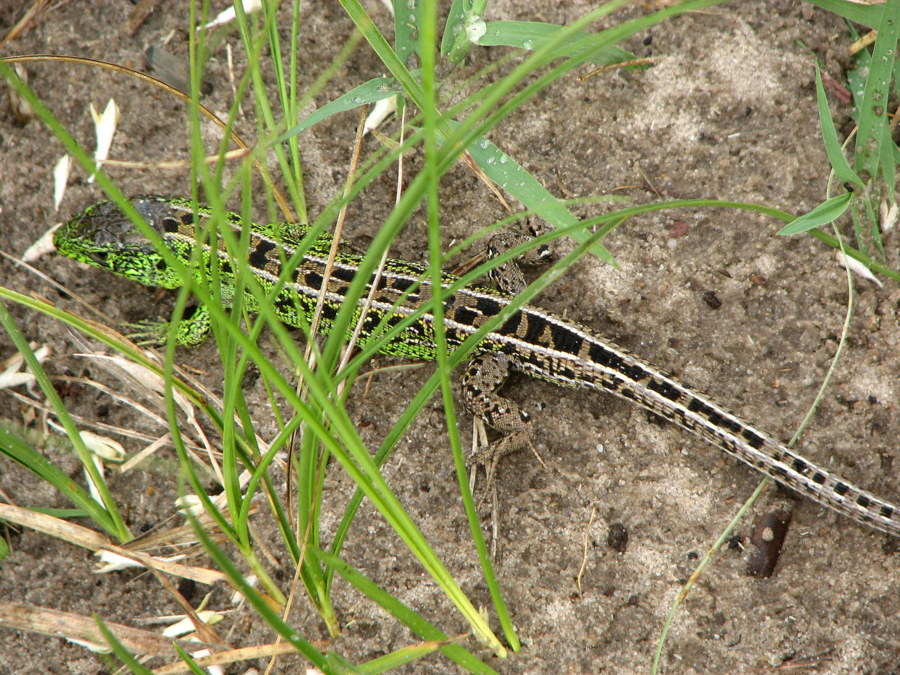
258,602
407,29
414,621
463,23
833,148
533,35
825,213
867,15
22,453
369,92
106,515
874,129
128,659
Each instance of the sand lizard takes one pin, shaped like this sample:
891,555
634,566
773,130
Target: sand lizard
530,340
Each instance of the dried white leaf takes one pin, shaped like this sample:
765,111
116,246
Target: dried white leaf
92,487
857,267
889,216
20,108
113,562
476,29
91,646
228,15
10,380
186,626
213,669
105,128
102,446
237,598
380,112
42,246
60,179
11,376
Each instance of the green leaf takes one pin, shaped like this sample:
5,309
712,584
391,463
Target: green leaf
127,658
456,40
887,161
22,453
532,35
868,15
513,179
873,112
369,92
826,212
396,658
407,19
833,148
412,620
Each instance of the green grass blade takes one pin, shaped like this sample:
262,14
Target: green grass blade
463,22
383,49
518,182
407,24
253,596
833,148
19,451
532,35
826,212
127,658
867,15
887,161
106,515
369,92
397,658
873,119
189,662
856,79
415,622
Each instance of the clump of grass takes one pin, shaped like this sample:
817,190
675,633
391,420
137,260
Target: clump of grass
313,411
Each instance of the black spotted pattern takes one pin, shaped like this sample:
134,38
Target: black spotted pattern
534,331
565,339
664,389
344,273
488,306
753,439
259,256
402,285
465,315
313,280
511,325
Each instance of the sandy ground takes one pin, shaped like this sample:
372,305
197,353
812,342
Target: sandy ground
728,111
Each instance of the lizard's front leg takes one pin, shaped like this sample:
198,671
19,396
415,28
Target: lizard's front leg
484,375
193,329
487,372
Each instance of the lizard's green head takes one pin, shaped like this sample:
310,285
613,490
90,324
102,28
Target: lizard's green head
103,236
